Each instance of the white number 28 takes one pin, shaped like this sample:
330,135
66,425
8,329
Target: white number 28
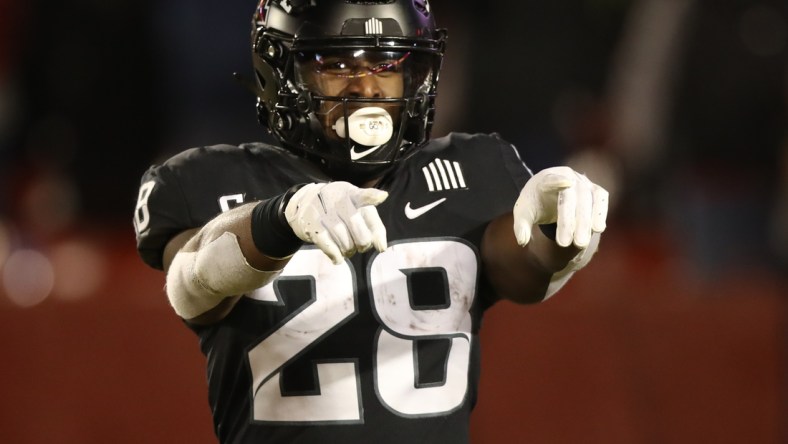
338,398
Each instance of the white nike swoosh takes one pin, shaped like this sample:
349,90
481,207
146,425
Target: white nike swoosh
355,155
412,213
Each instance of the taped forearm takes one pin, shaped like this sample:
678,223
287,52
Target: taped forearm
560,278
198,281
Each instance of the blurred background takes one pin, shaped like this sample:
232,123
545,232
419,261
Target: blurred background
677,332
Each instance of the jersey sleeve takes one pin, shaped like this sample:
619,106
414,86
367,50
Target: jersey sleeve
499,176
160,214
497,168
194,186
517,170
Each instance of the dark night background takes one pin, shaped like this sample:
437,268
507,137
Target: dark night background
675,333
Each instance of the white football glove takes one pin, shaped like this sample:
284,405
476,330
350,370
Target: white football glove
338,217
563,196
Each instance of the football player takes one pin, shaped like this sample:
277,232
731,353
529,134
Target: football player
337,282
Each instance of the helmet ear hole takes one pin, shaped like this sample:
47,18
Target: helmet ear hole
281,122
263,47
289,124
270,50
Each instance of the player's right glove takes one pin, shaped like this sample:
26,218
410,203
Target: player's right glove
338,217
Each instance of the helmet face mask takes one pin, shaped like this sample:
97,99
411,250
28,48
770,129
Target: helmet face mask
350,85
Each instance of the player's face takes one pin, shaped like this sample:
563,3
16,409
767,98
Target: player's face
354,73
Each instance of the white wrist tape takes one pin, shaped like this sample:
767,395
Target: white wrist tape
560,278
198,281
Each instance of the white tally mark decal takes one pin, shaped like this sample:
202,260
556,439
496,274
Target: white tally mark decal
373,26
442,174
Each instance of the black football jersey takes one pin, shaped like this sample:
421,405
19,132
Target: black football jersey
382,348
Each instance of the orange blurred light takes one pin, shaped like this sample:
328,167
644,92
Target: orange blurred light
79,269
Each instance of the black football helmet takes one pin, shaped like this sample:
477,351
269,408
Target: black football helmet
350,84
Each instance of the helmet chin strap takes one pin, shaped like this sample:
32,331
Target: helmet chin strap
367,126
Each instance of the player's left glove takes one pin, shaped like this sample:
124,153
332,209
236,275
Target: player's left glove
561,195
576,205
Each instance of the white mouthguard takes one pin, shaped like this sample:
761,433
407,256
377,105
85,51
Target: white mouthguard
368,126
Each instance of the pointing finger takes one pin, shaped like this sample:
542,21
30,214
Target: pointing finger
555,182
359,231
368,196
522,231
340,235
567,209
583,216
376,227
323,241
599,212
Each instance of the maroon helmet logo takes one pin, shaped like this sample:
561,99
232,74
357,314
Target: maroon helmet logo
261,13
423,6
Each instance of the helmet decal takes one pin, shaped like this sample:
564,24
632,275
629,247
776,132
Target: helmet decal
373,26
296,6
422,6
261,13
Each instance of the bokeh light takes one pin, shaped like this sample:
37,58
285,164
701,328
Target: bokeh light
28,278
50,204
79,269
